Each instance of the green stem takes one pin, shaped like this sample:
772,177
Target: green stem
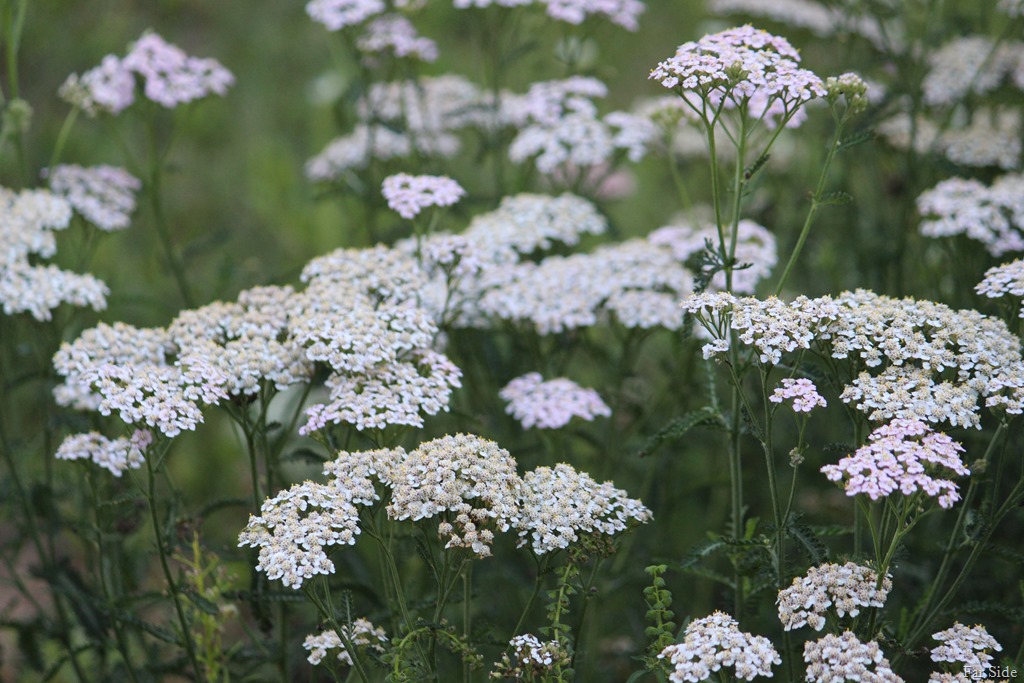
62,137
327,612
165,567
815,205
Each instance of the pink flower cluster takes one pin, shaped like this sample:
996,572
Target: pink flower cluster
170,77
409,195
551,404
743,66
804,394
902,456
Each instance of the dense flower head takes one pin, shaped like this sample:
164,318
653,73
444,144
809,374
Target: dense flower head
468,481
904,456
910,393
526,223
569,292
28,220
394,34
531,657
253,340
991,214
801,391
968,645
140,375
849,86
337,14
845,588
550,404
625,13
429,110
408,195
361,633
559,505
560,129
716,642
821,19
743,66
968,65
755,248
170,78
114,455
379,273
295,527
103,195
990,137
1006,280
837,659
355,150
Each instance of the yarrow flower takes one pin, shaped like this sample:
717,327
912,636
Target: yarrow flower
992,215
531,658
551,404
103,195
28,220
560,504
1004,280
743,67
337,14
904,456
970,646
716,642
470,482
393,33
361,633
845,588
803,393
408,195
295,528
170,78
114,455
837,659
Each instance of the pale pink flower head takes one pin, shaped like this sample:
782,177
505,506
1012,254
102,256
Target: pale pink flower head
394,34
171,76
968,645
904,456
746,67
551,404
408,195
716,642
834,659
802,392
337,14
109,87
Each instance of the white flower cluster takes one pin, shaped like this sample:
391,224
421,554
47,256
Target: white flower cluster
1004,280
28,220
394,34
170,78
624,13
991,137
559,504
755,247
531,658
114,455
967,645
837,659
743,68
250,340
471,479
140,375
569,292
916,359
991,214
846,588
560,129
398,118
801,391
296,527
408,195
824,20
361,633
359,317
714,643
551,404
972,65
337,14
102,195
